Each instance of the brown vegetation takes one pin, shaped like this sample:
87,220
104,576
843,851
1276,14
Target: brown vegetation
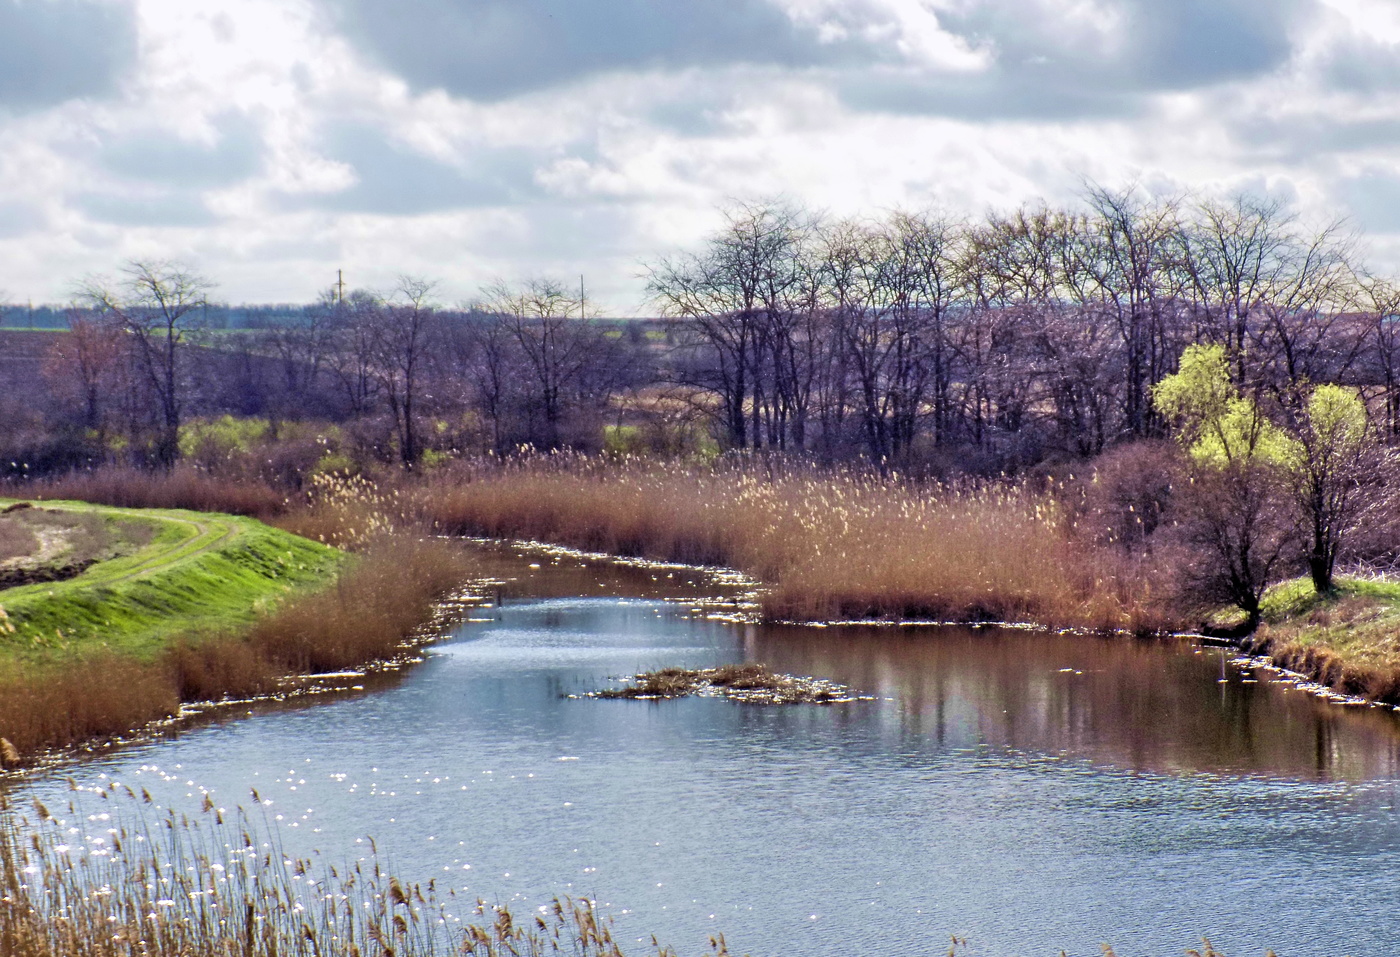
828,544
237,893
190,488
745,683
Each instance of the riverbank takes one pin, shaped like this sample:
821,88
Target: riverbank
210,606
827,546
194,573
1349,640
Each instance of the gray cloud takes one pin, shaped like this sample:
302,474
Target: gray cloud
393,179
57,50
494,49
18,218
1040,73
163,158
1363,65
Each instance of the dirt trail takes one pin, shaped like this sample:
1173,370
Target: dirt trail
167,557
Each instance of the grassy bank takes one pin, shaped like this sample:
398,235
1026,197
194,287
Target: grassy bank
196,573
213,606
1349,640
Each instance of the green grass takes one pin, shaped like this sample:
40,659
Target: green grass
198,574
1349,639
1296,597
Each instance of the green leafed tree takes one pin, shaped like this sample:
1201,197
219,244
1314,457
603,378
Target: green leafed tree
1331,451
1237,512
1243,461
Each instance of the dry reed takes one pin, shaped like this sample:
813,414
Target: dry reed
220,884
182,487
830,545
124,878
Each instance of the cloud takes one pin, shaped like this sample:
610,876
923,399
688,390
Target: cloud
1057,59
1374,199
160,156
18,218
147,208
392,178
57,50
494,49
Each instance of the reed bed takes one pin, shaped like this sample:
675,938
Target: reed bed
830,545
183,487
105,880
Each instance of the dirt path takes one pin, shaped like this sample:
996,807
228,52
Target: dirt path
206,534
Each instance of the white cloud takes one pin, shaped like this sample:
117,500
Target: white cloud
273,141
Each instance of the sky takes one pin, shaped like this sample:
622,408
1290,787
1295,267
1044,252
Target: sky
268,143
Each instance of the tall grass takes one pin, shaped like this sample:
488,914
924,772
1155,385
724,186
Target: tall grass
220,884
829,545
184,487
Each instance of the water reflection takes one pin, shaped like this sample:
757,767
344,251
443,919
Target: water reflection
1141,705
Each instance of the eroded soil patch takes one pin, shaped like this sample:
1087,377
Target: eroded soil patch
51,545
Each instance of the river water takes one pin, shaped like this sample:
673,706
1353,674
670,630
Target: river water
1030,792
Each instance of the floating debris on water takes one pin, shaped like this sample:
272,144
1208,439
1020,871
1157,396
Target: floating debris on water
747,684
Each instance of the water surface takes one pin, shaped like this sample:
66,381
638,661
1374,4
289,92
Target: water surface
1031,792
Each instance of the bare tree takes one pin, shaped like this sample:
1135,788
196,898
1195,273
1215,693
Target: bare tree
739,294
565,359
1381,319
1128,251
401,329
305,347
353,348
84,367
157,304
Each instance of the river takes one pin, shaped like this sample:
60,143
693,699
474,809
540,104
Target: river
1028,791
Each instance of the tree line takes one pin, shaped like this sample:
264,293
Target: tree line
1035,332
907,340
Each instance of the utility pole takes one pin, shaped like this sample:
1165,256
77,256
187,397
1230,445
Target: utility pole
582,299
340,286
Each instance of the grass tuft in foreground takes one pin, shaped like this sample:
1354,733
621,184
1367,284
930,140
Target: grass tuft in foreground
221,885
128,879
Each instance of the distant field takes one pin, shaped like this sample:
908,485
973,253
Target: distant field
140,577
